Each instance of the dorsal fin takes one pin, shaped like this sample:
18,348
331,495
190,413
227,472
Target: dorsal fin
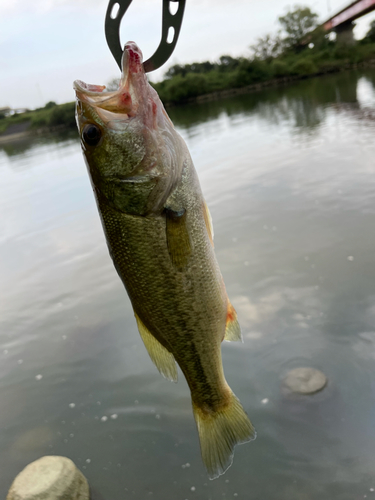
161,357
232,329
208,221
178,239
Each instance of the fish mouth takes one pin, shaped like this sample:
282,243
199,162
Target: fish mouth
125,102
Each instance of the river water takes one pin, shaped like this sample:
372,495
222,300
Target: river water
289,177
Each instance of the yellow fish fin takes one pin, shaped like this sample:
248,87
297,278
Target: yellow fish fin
208,221
178,239
219,432
162,358
232,329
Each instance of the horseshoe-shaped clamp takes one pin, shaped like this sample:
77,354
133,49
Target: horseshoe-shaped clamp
171,25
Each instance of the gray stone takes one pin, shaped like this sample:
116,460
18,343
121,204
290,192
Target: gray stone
305,380
50,478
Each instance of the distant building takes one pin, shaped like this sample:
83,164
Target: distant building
20,110
7,111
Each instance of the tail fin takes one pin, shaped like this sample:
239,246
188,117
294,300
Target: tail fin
219,432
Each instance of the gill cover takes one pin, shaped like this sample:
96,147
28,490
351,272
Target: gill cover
128,141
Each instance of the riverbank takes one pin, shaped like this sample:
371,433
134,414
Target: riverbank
231,76
277,82
179,90
53,117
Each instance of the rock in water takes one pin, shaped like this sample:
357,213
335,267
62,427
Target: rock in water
305,380
50,478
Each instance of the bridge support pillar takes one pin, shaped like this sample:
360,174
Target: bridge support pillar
344,34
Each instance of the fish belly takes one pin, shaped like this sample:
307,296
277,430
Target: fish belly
185,310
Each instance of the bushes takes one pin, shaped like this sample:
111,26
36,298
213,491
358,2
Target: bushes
50,104
249,72
280,68
230,73
303,66
180,88
63,115
55,115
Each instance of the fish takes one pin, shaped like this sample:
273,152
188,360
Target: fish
159,234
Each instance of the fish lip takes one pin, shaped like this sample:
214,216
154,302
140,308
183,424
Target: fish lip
87,88
131,63
84,92
98,100
134,97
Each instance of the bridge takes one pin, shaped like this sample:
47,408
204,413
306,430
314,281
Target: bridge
342,22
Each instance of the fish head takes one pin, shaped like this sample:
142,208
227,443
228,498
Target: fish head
131,148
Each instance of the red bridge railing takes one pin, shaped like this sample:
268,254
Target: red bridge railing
353,11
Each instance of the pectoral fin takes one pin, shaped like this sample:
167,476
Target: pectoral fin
233,329
161,357
178,239
208,221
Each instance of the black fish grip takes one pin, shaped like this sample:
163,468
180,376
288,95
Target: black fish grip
171,26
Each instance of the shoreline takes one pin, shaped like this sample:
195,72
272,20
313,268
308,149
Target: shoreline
212,96
29,133
273,83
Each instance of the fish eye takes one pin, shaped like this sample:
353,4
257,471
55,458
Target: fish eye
91,134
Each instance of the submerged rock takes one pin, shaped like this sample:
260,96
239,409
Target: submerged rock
305,380
50,478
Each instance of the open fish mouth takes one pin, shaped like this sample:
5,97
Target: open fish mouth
133,88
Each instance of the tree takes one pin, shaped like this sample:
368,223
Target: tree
50,104
267,47
297,23
176,69
371,32
228,63
113,84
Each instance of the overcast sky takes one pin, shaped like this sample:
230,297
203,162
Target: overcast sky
46,44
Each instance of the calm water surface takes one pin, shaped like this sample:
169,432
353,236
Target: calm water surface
289,176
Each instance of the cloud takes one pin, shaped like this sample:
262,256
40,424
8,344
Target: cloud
302,304
58,35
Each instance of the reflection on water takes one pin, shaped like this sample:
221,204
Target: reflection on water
288,174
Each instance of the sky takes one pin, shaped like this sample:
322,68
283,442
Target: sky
47,44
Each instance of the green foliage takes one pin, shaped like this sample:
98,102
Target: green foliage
249,72
272,56
50,104
228,63
179,70
63,115
280,68
370,35
51,116
228,73
267,47
12,120
39,120
319,38
298,23
181,88
303,66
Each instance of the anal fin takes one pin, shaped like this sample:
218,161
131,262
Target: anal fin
232,329
161,357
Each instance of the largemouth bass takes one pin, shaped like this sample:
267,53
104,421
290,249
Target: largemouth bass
160,237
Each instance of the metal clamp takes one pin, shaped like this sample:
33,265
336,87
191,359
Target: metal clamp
171,26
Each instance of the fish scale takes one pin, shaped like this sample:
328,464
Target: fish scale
159,234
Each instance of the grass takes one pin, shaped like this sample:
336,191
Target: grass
189,81
193,80
51,116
